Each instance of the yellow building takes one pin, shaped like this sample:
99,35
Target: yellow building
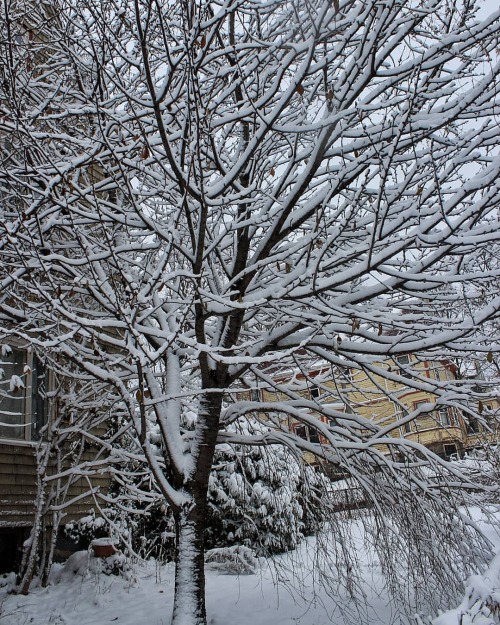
383,398
412,412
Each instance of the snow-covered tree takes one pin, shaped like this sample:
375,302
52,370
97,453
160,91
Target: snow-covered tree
206,197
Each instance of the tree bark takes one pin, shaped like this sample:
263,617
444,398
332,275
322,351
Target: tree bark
189,600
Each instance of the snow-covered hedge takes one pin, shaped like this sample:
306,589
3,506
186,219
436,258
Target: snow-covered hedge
235,560
262,497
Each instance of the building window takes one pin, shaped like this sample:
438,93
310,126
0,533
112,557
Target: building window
404,361
418,404
406,428
307,433
425,413
399,414
301,431
22,394
449,450
443,416
473,425
313,435
314,392
254,394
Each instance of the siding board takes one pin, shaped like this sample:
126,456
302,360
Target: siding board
18,487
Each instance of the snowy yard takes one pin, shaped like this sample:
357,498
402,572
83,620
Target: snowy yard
97,599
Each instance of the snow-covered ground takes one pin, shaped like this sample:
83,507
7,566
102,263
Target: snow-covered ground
146,597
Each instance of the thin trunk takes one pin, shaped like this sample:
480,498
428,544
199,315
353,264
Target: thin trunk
31,551
45,571
189,601
57,496
29,558
44,538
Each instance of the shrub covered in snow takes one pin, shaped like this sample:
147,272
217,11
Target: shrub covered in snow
263,498
237,560
87,529
257,497
81,563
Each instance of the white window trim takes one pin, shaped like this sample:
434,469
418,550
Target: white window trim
27,423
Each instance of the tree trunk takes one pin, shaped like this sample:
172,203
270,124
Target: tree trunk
189,600
27,569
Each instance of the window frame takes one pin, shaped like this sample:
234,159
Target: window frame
314,392
401,413
255,394
306,430
472,425
401,361
448,420
30,422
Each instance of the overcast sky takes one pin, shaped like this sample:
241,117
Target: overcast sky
489,5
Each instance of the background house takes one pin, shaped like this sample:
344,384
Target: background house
49,472
36,438
410,413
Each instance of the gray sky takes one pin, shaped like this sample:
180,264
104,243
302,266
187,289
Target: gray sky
488,6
